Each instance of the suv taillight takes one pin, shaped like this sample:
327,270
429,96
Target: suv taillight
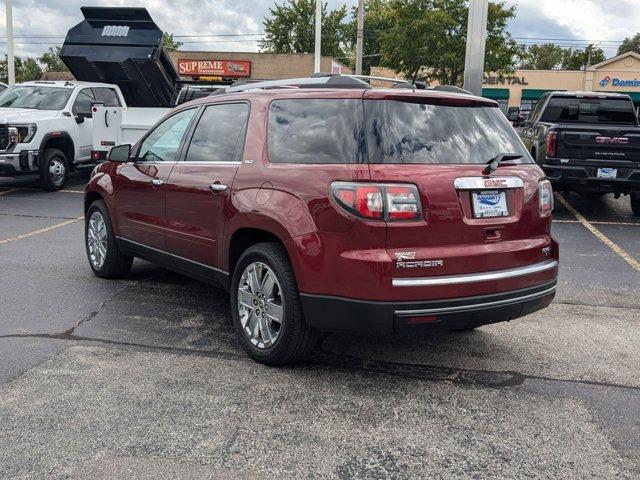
552,143
545,195
378,201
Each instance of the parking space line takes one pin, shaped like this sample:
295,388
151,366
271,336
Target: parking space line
27,189
42,230
627,224
599,235
8,191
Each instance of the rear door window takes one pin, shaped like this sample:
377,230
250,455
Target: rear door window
316,131
219,136
589,110
403,132
107,96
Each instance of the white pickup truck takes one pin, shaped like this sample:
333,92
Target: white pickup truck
46,128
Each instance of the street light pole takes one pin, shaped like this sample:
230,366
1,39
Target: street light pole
476,40
11,68
316,62
359,32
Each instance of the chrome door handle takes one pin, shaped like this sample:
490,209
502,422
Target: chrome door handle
217,187
156,182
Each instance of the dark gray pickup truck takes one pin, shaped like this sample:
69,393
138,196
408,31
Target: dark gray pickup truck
586,142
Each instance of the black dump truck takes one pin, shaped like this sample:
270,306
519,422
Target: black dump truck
586,142
124,46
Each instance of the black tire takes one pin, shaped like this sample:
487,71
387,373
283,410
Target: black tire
295,340
115,264
635,203
52,158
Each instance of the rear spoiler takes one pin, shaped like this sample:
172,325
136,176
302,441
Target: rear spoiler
122,46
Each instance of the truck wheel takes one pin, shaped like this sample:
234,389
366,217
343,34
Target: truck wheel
635,203
266,308
105,258
54,170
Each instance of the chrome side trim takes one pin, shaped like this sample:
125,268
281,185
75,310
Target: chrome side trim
477,306
487,183
475,277
173,255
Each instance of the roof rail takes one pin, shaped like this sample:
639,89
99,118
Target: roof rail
323,80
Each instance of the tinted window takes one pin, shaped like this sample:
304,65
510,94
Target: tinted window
82,103
107,96
316,131
402,132
162,144
219,136
40,98
589,110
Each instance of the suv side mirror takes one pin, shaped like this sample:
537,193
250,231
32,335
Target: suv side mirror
120,153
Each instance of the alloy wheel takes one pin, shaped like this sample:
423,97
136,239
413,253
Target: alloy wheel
97,240
260,305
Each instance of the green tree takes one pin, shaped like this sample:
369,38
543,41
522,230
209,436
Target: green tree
289,28
630,44
378,18
25,70
577,59
51,60
542,57
169,43
29,70
428,39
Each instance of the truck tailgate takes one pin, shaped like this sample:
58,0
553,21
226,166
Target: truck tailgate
604,142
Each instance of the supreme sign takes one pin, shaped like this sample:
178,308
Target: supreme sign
219,68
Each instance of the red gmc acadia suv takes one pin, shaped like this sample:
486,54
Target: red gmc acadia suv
333,206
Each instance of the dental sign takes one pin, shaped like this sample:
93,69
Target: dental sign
619,82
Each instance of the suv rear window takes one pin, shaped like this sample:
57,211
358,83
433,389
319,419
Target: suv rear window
403,132
589,110
316,131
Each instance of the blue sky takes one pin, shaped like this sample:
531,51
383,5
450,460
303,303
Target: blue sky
577,20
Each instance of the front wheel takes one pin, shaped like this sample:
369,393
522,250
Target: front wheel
105,258
266,308
635,203
54,169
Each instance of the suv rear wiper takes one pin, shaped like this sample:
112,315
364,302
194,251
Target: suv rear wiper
493,163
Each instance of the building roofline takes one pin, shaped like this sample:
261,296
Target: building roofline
613,59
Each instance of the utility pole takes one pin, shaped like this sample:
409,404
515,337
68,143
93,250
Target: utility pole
359,37
589,48
11,67
316,60
476,42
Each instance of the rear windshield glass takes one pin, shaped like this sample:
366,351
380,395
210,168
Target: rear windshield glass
316,131
589,110
402,132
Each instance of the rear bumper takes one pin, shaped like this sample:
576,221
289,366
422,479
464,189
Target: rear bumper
584,178
336,313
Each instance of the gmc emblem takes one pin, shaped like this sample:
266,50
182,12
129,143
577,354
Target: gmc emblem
616,140
495,183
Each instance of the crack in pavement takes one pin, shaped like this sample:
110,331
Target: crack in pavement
584,304
460,376
70,332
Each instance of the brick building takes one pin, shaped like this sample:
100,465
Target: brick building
250,65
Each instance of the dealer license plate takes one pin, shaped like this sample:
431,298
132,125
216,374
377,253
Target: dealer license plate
490,204
607,173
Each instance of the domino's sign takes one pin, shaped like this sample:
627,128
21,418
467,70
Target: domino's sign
619,82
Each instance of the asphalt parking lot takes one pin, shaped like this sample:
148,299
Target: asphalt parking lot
144,378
